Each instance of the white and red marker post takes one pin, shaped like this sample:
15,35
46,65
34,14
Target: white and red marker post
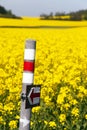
28,78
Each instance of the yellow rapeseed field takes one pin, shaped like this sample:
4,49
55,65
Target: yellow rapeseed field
60,67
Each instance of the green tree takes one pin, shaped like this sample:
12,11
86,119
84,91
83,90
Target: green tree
2,10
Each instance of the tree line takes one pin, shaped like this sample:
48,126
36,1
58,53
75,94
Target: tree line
7,13
75,16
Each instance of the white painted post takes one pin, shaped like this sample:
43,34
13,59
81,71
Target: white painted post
28,77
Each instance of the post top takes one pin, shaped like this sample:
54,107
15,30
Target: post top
30,44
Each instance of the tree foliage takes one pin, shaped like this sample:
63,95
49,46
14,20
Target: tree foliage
7,13
3,10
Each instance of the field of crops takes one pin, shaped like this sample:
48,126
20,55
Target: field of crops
60,66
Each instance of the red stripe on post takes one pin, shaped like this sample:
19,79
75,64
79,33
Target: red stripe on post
28,66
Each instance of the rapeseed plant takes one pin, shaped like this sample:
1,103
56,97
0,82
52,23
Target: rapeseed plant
60,67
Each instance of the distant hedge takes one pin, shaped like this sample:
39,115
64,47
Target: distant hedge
73,16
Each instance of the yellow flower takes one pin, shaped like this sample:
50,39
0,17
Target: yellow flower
17,117
73,101
31,123
47,100
1,120
65,128
60,98
45,122
36,109
62,118
86,116
67,106
75,112
13,124
52,124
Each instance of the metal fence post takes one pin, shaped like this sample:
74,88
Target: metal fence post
28,77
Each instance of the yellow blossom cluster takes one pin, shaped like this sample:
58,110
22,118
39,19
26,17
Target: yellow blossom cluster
13,124
62,118
60,68
52,124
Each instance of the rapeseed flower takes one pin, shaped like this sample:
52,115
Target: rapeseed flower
62,118
13,124
75,112
52,124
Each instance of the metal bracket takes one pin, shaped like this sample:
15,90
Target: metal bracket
23,96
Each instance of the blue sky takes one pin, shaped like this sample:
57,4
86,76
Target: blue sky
37,7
